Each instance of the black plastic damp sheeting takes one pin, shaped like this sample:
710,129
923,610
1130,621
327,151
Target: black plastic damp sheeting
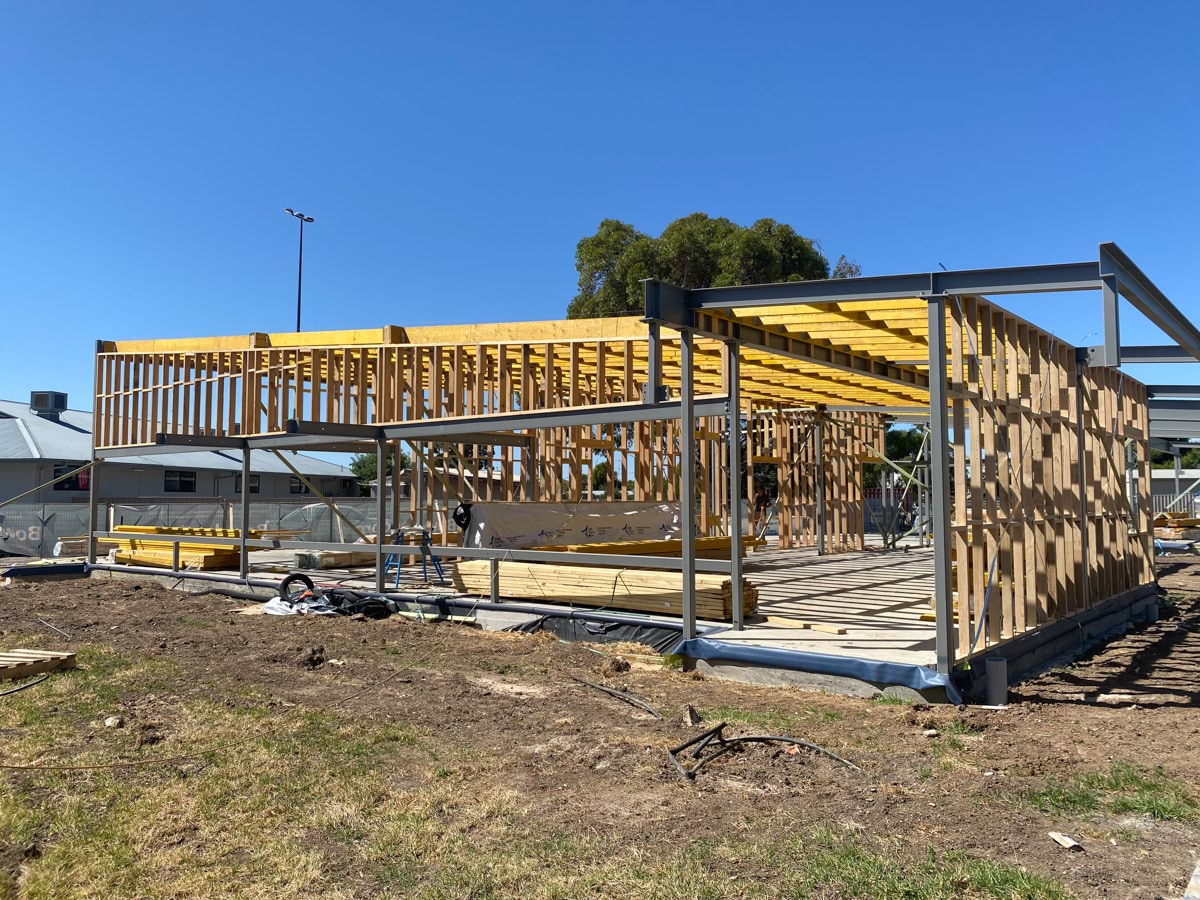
662,639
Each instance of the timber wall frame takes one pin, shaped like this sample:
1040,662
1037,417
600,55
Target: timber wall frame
1038,450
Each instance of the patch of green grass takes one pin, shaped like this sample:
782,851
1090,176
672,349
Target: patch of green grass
960,727
1122,788
194,623
829,863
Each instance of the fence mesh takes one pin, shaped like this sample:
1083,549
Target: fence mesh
41,529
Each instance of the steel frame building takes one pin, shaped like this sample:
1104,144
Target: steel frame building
1039,455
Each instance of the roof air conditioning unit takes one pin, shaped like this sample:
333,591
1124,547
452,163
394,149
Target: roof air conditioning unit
47,403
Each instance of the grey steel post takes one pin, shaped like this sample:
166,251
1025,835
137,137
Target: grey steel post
926,536
1081,448
396,487
1178,473
381,456
494,579
93,507
687,481
244,564
819,499
734,436
1112,320
418,488
939,477
652,390
175,555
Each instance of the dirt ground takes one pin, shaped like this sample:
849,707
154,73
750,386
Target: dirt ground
585,763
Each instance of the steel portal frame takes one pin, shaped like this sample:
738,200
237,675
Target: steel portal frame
710,313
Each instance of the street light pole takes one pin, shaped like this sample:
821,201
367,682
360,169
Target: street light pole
300,265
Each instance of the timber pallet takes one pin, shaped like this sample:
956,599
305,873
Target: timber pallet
21,663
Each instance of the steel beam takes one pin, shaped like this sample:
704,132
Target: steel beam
1145,296
566,417
309,442
1174,410
166,444
1175,430
939,476
1159,391
1143,354
618,560
1013,280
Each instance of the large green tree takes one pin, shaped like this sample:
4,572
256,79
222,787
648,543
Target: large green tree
693,252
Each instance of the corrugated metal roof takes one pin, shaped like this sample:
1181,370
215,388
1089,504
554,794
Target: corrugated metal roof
24,435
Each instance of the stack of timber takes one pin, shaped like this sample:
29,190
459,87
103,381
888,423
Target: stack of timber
706,547
141,548
1176,527
604,586
21,663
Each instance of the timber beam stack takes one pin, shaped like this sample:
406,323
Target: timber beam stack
633,590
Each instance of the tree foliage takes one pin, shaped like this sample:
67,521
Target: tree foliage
695,251
363,467
1188,459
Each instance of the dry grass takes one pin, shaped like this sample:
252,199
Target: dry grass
304,803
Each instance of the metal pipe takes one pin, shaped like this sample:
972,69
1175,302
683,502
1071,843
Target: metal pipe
199,576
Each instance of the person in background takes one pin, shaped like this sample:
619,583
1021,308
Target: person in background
759,510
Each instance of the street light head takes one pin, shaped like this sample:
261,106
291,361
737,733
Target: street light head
290,211
309,219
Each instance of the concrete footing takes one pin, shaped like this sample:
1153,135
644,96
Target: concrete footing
748,673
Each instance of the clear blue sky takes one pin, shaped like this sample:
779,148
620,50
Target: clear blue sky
453,154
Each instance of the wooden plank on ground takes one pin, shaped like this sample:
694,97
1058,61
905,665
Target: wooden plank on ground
21,663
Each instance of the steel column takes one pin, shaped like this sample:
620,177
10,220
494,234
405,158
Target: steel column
1112,320
819,497
687,481
734,436
1081,445
381,456
93,507
939,476
418,488
652,389
244,559
396,492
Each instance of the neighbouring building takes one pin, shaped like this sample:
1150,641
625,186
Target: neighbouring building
43,439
